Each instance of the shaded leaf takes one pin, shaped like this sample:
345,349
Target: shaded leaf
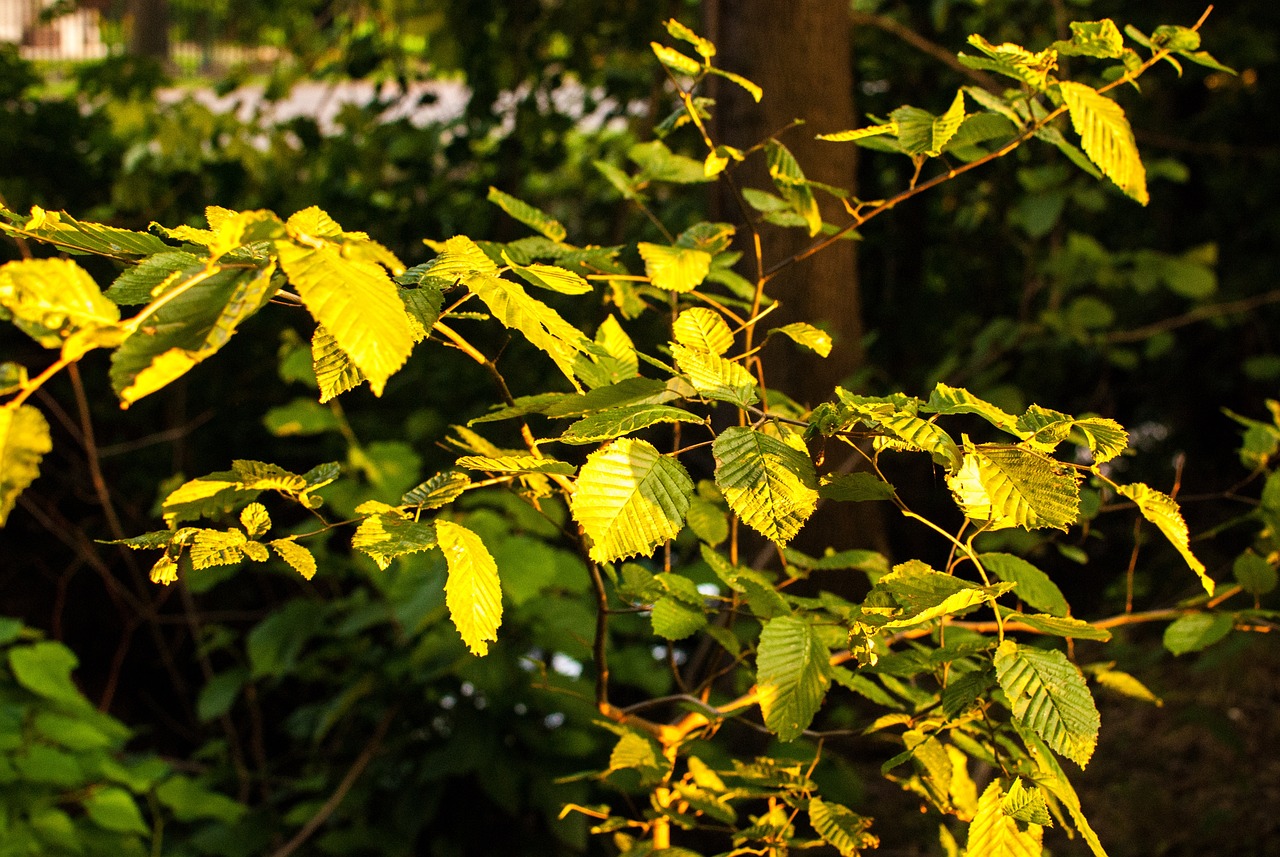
674,619
1034,586
1196,631
534,218
855,487
790,182
792,675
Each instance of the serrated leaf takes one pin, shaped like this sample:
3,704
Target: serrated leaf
1013,61
708,521
534,218
924,594
439,490
1010,486
841,828
387,535
679,31
771,486
472,593
912,432
815,339
624,421
638,753
992,833
855,487
922,133
211,548
206,497
629,499
789,179
24,440
1125,684
792,675
255,520
945,400
537,322
256,551
1058,626
613,361
703,329
715,377
552,278
1093,39
515,464
299,558
1026,804
1163,511
659,163
673,619
357,303
1050,776
1196,631
1033,585
1048,695
1106,137
74,236
860,133
458,258
335,372
674,269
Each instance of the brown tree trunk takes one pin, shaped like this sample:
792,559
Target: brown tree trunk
149,28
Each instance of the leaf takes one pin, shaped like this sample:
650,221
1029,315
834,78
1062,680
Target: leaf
439,490
659,163
191,800
1254,573
220,693
945,400
1106,137
24,441
458,258
790,182
792,675
357,303
912,432
855,487
841,828
1026,804
299,558
924,594
679,31
636,752
387,535
516,464
815,339
472,593
674,60
1163,511
552,278
1126,685
674,619
113,808
716,377
1050,777
1196,631
1048,695
703,329
1013,61
194,319
752,89
614,360
1093,39
211,548
674,269
335,372
629,499
51,299
1033,585
1058,626
707,521
44,668
539,323
1013,487
534,218
922,133
63,230
623,421
860,133
274,644
768,484
992,833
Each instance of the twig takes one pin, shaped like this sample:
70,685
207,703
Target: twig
1200,313
920,43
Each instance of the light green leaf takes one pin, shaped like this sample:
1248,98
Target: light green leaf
299,558
1106,137
658,163
624,421
1014,487
24,440
674,619
458,258
771,486
300,417
1050,776
703,329
1033,585
792,675
1125,684
1255,574
674,269
334,370
679,31
924,594
1058,626
357,303
905,430
539,323
1163,511
534,218
752,89
515,464
947,400
1013,61
1196,631
855,487
112,808
13,377
1048,695
708,521
191,800
613,361
74,236
255,520
386,535
552,278
841,828
992,833
629,499
638,753
52,299
44,668
716,377
859,133
439,490
922,133
472,593
1026,804
212,548
790,182
1093,39
815,339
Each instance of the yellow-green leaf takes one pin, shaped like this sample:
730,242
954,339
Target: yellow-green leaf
992,833
675,269
1049,696
791,184
703,329
386,534
298,557
527,214
1002,486
52,298
335,373
841,827
1163,511
716,377
472,592
771,486
1106,137
792,675
24,440
815,339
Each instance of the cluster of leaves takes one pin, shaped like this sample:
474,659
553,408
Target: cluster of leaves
931,651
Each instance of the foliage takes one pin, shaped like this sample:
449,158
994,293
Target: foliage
522,528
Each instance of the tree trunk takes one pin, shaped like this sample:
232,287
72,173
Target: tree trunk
149,28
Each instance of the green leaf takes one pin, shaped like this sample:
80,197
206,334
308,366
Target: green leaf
624,421
1033,585
1106,137
112,808
771,486
638,753
195,318
841,828
629,499
715,377
440,490
387,535
924,594
1013,61
299,558
674,269
792,675
674,60
922,133
945,400
703,329
357,303
1026,804
1003,487
24,441
191,800
658,163
1058,626
1048,695
992,833
552,278
1126,685
44,668
1050,777
1043,429
708,521
908,431
855,487
220,693
473,593
1254,573
815,339
674,619
1100,39
539,323
1163,511
13,377
534,218
1196,631
63,230
790,182
679,31
300,418
274,644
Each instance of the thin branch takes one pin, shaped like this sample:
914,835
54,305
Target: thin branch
920,43
1200,313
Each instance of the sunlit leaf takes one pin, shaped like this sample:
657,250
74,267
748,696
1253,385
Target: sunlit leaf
24,440
534,218
625,420
298,557
439,490
1106,137
993,833
387,534
74,236
1009,486
703,329
716,377
1163,511
841,828
789,179
815,339
472,593
1049,696
771,486
334,370
675,269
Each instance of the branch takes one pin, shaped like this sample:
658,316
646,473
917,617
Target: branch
1200,313
920,43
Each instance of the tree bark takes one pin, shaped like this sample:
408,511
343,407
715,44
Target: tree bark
149,28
